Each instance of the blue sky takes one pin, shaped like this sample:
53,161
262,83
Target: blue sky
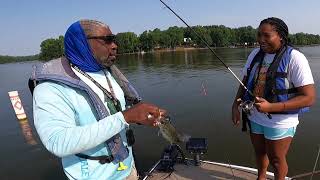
26,23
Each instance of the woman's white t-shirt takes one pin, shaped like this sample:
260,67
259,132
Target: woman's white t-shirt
299,73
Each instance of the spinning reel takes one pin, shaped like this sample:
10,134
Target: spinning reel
246,106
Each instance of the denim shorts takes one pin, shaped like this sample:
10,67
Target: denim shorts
272,133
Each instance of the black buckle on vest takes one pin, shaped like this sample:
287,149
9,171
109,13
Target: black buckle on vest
281,74
270,75
130,137
101,159
105,159
277,75
284,91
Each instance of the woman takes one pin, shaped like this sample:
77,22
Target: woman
282,84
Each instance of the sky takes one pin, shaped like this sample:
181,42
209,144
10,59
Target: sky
26,23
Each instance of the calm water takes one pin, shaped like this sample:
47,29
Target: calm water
174,81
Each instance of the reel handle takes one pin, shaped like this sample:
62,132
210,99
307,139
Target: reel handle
269,115
246,108
266,113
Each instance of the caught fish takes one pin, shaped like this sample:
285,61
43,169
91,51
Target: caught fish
169,132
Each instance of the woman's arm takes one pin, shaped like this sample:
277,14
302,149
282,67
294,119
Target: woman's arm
236,102
306,97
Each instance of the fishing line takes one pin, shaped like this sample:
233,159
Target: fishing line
304,175
208,46
315,164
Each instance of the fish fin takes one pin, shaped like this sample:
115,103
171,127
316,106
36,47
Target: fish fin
183,137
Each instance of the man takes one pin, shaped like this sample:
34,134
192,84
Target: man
80,102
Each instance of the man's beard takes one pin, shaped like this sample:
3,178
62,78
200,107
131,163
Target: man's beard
106,61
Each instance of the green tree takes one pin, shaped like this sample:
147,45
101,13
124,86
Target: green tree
165,40
292,39
218,37
156,37
51,48
246,35
203,33
127,42
301,39
9,59
146,41
176,36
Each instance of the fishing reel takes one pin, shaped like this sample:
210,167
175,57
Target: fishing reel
246,106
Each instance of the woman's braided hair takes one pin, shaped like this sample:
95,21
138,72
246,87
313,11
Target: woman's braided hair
280,27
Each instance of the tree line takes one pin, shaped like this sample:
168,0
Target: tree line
150,40
215,36
10,59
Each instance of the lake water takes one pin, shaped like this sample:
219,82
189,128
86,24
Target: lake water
192,85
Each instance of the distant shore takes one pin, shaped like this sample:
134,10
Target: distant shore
178,49
13,59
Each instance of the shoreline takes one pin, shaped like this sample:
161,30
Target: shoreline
177,49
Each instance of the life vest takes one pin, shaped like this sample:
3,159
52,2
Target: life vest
277,86
59,70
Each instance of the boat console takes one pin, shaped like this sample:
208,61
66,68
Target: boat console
197,147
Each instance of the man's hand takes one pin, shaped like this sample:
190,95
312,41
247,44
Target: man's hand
144,113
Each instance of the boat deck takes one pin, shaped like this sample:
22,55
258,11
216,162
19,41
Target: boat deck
206,170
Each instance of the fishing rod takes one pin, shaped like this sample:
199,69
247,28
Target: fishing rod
208,46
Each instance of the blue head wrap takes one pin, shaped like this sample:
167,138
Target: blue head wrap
77,50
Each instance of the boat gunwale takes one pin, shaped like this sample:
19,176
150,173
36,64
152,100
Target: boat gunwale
242,168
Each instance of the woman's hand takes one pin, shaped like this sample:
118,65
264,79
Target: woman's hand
263,105
235,113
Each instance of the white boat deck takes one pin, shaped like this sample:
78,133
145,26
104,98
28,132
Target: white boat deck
206,170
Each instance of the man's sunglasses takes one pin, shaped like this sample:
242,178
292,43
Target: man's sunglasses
108,38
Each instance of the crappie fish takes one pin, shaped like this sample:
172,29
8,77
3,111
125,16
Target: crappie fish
169,132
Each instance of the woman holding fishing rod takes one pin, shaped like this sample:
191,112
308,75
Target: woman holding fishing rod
282,84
